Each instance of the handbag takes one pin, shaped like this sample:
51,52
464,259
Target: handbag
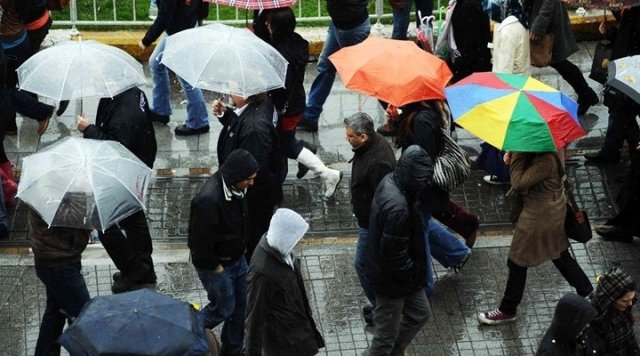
541,50
451,166
601,59
576,220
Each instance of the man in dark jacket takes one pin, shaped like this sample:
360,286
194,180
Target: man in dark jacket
251,126
278,320
217,228
396,259
173,17
373,158
57,254
349,26
125,119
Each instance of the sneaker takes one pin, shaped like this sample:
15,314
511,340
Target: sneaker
493,180
496,317
135,280
183,130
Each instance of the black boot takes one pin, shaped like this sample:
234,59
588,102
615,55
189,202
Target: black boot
302,169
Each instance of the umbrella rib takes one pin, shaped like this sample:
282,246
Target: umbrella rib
207,61
65,77
119,180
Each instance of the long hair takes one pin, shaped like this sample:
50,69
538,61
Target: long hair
282,22
404,123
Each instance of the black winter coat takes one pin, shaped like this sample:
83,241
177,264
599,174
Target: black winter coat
424,131
472,34
395,263
278,320
347,14
255,132
217,227
124,119
626,36
173,16
295,50
370,163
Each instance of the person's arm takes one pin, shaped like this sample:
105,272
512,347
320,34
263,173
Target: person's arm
394,245
540,25
166,9
259,296
523,178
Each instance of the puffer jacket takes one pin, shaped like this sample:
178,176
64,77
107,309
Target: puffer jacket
395,261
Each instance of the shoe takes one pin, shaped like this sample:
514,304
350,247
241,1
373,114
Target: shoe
163,119
127,282
614,233
62,107
458,266
183,130
302,169
153,11
387,131
585,102
599,157
367,314
150,278
307,125
496,317
493,180
42,126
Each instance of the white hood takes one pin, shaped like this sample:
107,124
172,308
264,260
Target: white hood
285,231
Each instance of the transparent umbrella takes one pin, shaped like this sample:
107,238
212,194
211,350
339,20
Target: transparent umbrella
84,183
225,59
80,69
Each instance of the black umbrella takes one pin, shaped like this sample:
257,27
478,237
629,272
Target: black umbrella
142,322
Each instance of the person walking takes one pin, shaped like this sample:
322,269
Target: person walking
278,319
289,101
125,119
551,17
613,299
539,178
349,26
57,254
252,126
218,225
395,264
173,17
570,332
373,158
623,110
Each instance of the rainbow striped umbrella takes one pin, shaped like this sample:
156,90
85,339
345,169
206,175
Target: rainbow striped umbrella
514,112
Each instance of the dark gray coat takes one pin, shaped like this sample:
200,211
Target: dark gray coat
550,16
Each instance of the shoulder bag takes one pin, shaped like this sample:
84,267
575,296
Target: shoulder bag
576,222
541,50
451,166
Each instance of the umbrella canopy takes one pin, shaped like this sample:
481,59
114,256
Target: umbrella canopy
398,72
514,112
103,175
624,75
142,322
255,4
225,59
80,69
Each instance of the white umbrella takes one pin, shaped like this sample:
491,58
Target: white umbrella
225,59
84,183
624,75
80,69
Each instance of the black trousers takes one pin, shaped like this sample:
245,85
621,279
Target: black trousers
572,74
131,252
566,265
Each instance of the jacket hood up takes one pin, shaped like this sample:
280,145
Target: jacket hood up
572,314
238,166
611,286
414,170
285,231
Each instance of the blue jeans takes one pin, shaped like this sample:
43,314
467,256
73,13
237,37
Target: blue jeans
321,87
361,255
66,291
197,116
401,17
227,293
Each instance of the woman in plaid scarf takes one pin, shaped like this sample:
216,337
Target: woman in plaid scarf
613,298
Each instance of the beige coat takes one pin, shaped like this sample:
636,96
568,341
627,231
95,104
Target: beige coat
510,47
539,234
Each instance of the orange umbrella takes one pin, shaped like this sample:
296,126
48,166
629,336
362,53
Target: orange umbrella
395,71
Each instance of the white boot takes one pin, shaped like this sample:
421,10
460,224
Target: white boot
330,177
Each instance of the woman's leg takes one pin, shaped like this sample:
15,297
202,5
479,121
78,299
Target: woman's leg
573,273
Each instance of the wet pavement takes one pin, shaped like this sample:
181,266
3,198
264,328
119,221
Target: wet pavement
184,163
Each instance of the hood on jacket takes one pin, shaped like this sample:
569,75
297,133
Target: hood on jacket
572,314
414,170
285,231
238,166
611,286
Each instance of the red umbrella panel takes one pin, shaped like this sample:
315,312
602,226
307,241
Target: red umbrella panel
254,4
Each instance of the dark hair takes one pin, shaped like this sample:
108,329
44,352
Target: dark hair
282,22
404,123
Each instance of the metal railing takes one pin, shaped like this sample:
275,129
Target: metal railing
100,9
